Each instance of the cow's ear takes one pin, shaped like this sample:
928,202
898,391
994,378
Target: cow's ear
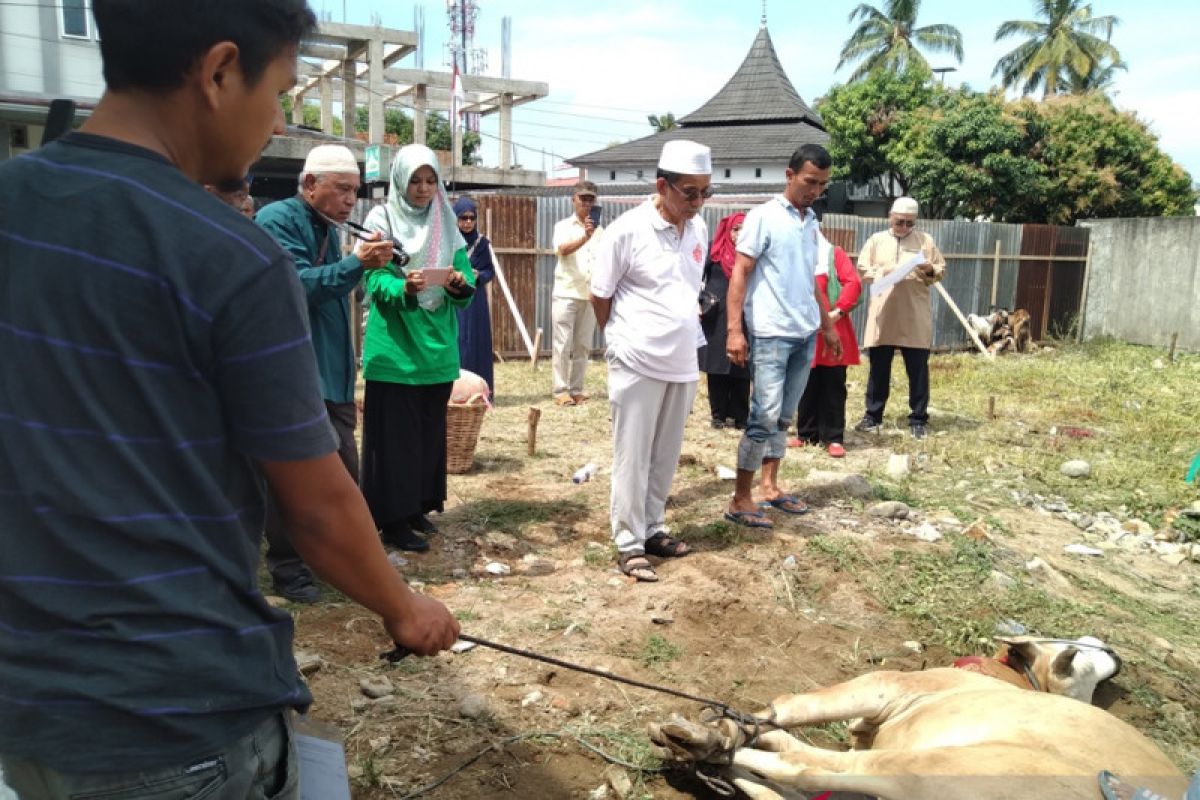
1021,648
1064,663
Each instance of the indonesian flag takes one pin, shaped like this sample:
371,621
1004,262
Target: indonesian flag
457,100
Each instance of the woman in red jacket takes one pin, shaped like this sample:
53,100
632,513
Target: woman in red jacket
821,416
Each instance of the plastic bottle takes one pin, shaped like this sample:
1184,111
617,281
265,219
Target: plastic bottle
584,473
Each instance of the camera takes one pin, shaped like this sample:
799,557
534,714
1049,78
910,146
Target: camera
399,257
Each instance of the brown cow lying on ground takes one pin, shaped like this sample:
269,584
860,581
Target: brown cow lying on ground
942,734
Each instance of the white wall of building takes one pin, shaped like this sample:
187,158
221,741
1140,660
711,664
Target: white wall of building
764,173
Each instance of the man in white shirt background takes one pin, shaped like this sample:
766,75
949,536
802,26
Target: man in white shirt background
576,243
644,291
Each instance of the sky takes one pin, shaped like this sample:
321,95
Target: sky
609,64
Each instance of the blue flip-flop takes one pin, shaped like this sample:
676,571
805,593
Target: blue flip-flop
1106,779
749,519
787,503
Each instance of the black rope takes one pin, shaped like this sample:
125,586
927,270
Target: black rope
750,726
400,653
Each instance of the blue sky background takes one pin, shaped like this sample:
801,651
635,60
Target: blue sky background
611,63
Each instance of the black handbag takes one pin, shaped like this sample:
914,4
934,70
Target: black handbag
710,305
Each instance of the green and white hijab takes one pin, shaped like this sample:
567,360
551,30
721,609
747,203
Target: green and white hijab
429,235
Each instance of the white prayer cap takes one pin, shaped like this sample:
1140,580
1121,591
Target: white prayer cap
330,158
905,205
684,157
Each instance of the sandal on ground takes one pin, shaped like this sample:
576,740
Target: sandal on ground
749,519
664,545
635,565
1110,785
787,503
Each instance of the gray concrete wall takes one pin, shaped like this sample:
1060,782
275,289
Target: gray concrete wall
1143,284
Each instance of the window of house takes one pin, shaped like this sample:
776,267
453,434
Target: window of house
75,19
727,172
612,174
758,172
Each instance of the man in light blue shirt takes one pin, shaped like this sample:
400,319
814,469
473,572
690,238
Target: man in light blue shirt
773,290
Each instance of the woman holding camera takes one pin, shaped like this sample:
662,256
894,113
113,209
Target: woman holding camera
728,384
410,351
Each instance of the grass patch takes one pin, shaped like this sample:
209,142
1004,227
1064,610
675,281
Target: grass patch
513,516
658,650
944,591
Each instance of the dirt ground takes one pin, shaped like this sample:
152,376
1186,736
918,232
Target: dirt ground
743,619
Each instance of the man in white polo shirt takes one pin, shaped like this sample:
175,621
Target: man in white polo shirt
773,288
644,290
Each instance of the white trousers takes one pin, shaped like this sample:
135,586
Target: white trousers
574,324
648,417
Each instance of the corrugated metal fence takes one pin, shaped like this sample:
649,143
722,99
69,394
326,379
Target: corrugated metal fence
1036,267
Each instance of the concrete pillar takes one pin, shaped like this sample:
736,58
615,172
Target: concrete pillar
349,97
375,85
419,105
327,104
506,106
297,108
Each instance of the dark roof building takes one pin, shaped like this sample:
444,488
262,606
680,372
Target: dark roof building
753,124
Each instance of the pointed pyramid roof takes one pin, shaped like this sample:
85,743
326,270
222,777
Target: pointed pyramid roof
758,92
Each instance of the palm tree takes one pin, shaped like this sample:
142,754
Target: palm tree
1098,78
1071,42
888,39
662,122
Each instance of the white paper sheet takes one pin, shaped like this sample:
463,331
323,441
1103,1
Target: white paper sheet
897,275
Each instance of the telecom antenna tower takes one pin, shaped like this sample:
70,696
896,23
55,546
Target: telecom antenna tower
460,50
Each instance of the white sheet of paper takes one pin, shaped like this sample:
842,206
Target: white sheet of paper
898,274
436,277
323,774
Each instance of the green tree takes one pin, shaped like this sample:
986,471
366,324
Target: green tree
866,119
1068,43
967,156
888,39
1098,78
662,122
1099,162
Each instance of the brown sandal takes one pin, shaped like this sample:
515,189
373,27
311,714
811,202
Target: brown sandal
636,565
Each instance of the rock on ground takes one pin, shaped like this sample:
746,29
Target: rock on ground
1076,469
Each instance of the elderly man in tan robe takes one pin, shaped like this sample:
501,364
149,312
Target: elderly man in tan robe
900,316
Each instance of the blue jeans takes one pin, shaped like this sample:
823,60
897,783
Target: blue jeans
259,766
780,368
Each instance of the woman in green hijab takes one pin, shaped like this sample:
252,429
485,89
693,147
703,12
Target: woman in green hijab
410,351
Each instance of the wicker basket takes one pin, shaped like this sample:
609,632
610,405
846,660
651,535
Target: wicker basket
463,421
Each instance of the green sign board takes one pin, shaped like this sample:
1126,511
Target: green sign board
372,162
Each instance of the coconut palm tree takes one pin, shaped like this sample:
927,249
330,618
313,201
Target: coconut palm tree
1098,78
1069,43
662,122
889,39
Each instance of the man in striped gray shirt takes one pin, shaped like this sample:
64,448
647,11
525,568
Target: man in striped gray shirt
156,362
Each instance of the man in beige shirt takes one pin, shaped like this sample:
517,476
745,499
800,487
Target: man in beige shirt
900,316
576,243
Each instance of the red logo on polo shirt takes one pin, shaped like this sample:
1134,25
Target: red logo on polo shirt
697,254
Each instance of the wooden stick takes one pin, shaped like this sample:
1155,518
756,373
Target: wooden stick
995,275
535,414
991,407
512,304
537,348
1171,354
966,326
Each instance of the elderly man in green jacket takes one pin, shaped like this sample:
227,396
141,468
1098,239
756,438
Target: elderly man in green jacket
306,226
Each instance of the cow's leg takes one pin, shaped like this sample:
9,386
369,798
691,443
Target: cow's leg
873,697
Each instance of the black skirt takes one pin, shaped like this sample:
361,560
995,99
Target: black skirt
404,449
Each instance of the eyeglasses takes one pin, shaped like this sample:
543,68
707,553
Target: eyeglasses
905,223
692,195
468,217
